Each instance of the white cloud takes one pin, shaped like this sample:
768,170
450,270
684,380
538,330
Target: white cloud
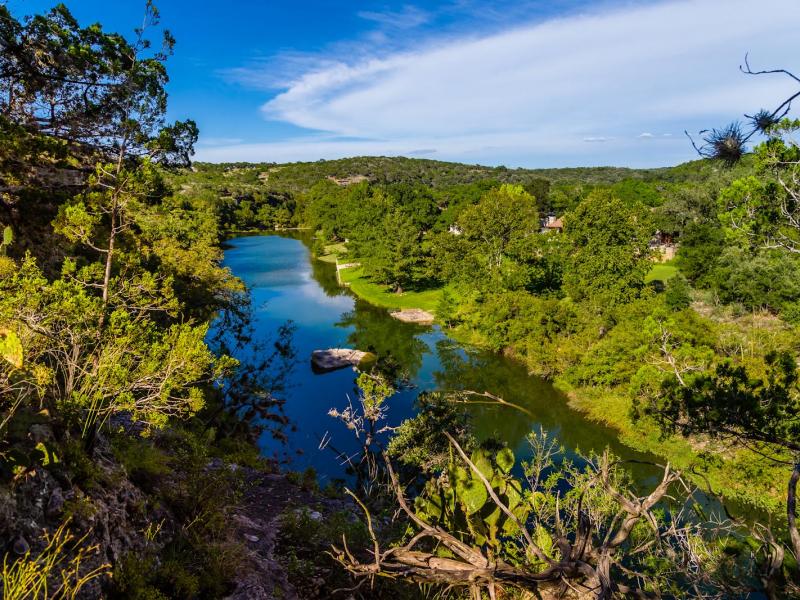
538,91
646,135
408,18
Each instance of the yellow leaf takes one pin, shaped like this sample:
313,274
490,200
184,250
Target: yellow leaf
10,348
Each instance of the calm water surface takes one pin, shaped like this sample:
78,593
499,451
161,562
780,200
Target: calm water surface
287,284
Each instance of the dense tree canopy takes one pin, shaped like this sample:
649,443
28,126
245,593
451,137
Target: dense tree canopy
609,255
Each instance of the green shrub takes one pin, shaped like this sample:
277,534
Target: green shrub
678,294
143,461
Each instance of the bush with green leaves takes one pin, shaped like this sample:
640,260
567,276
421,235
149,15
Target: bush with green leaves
459,501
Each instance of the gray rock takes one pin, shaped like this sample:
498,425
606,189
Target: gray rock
414,315
55,505
251,538
40,433
331,359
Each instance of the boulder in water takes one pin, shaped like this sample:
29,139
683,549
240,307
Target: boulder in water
413,315
332,359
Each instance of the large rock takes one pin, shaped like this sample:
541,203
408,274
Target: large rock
413,315
338,358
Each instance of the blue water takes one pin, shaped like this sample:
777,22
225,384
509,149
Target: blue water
288,285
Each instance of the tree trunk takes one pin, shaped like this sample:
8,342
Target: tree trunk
109,263
791,510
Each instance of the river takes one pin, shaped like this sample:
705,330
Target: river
287,284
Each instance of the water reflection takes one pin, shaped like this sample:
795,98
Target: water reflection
287,285
398,345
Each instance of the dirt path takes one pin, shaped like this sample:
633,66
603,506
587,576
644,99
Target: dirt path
257,522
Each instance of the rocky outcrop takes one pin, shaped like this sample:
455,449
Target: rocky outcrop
413,315
109,516
338,358
258,522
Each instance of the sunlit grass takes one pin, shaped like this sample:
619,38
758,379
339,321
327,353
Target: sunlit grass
381,295
333,252
662,272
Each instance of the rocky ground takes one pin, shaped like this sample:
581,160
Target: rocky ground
282,521
269,501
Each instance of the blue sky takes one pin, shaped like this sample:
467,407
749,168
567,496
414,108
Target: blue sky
524,83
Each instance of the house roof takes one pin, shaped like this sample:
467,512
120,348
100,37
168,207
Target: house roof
555,224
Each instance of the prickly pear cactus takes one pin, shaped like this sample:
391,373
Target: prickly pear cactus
459,502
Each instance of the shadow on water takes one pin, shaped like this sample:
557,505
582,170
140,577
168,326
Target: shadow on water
286,284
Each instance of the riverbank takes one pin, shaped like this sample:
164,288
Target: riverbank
378,295
742,478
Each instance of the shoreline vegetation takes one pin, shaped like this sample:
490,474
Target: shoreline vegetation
603,406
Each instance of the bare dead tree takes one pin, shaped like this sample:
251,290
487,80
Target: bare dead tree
728,143
592,550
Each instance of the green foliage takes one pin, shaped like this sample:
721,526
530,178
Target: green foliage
102,85
678,295
760,279
609,252
11,348
144,463
636,191
8,238
374,390
701,246
728,401
307,480
303,545
397,258
418,443
446,308
460,503
503,218
201,558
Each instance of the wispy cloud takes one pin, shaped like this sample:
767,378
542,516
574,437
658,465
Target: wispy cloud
536,93
408,18
422,152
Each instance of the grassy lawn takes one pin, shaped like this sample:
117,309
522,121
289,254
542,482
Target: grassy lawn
380,295
333,252
662,271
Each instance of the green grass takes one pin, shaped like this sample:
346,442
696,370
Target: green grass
662,272
380,295
333,252
742,477
375,293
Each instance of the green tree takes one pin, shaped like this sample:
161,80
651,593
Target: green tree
702,243
109,334
502,216
398,257
608,255
727,402
85,85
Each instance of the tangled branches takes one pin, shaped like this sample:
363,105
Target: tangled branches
596,540
728,143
